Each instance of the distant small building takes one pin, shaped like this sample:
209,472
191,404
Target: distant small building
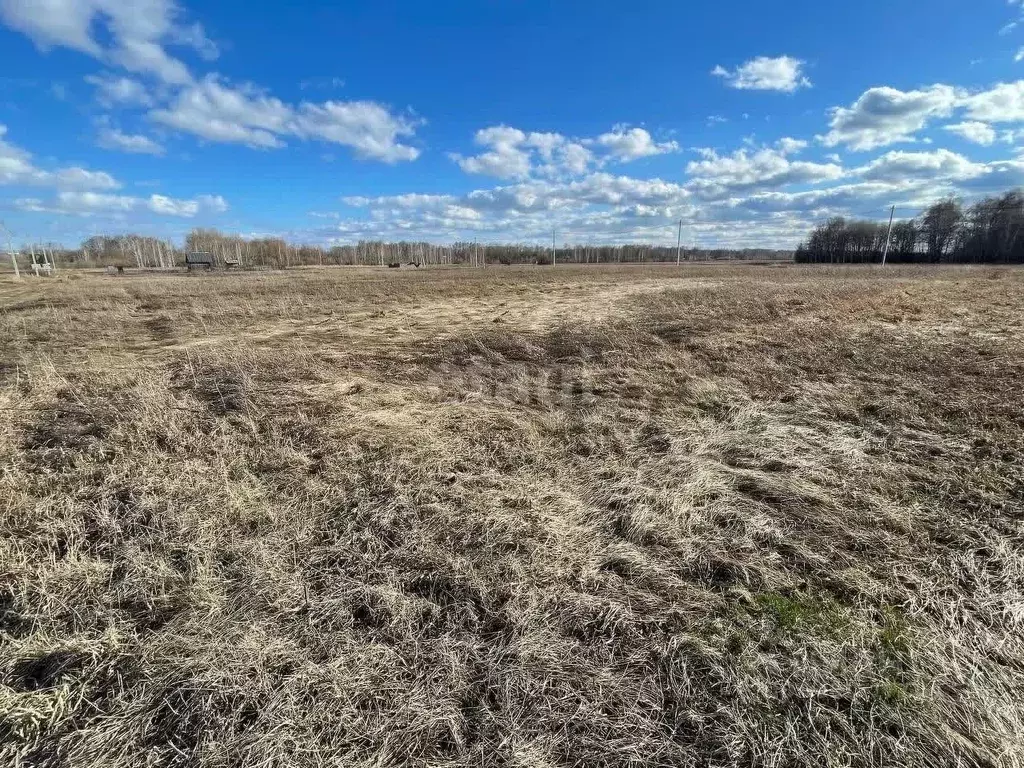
198,260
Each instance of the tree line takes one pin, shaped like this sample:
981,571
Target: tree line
989,231
140,251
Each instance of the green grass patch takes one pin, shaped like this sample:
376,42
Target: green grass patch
803,612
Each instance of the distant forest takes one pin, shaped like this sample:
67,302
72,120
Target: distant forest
990,231
145,252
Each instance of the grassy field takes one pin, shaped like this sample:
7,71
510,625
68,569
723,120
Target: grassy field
601,516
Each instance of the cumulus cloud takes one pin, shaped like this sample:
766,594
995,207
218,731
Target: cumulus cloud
216,111
515,154
118,90
790,146
212,203
728,197
883,116
80,178
91,202
536,196
763,73
365,126
973,131
506,157
80,191
941,164
743,171
633,143
136,144
168,206
132,34
135,36
1003,103
87,203
17,167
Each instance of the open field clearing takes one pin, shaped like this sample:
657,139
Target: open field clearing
604,516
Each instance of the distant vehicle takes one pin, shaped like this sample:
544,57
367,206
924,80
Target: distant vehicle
198,260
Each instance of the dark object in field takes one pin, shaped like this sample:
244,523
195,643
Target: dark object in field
394,265
198,260
115,270
415,264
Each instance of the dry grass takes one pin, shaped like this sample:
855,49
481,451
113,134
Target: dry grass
513,517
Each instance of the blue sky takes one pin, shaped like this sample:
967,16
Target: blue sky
500,120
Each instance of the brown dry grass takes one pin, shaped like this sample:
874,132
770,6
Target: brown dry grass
513,517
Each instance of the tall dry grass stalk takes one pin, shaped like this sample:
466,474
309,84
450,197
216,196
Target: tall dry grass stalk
619,517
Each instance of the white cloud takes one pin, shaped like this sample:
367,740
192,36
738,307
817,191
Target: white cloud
973,131
883,116
113,138
217,112
860,197
246,115
168,206
763,73
16,167
1004,103
790,146
117,90
139,33
627,144
72,202
515,154
365,126
194,36
80,178
574,158
505,159
716,176
136,31
212,203
148,57
907,166
531,197
1011,136
91,202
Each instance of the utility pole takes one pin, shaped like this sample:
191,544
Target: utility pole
10,250
679,242
552,247
888,234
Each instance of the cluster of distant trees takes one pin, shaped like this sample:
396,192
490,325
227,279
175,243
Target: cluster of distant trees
274,253
990,231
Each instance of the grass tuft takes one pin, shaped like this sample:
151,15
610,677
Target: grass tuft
650,517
